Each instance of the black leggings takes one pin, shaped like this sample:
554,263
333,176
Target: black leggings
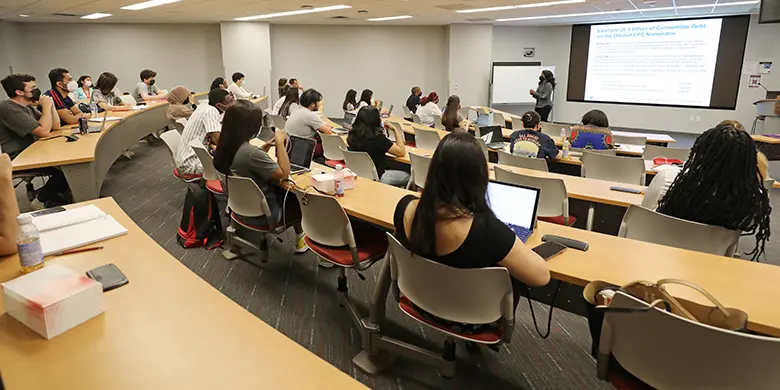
544,112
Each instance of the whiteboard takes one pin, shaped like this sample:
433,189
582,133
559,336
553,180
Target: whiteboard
511,83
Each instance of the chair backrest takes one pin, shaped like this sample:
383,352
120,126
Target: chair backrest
475,296
426,139
179,124
360,163
608,152
465,111
629,170
416,118
510,159
209,172
278,121
498,119
554,129
437,122
483,146
647,225
407,111
553,200
332,145
127,99
324,220
246,199
653,151
629,140
420,165
172,140
667,351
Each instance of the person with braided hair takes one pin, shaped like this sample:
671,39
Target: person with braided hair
721,185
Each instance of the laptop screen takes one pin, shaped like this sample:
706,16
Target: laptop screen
513,204
301,151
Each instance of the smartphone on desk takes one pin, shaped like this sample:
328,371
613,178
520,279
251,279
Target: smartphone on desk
549,250
625,189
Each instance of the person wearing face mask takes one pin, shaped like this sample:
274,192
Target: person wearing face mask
20,123
179,105
62,84
204,126
543,94
306,122
84,90
104,95
146,91
237,88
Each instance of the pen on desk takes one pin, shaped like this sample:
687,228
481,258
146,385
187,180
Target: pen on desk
70,252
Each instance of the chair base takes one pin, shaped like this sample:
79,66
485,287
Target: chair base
236,243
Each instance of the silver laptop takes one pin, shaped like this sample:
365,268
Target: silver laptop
514,205
493,136
301,153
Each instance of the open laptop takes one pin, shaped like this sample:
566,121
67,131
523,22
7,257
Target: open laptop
349,119
493,136
515,206
389,112
301,153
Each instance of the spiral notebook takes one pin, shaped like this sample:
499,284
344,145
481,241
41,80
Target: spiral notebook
75,228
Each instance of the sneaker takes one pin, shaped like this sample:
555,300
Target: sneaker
128,154
37,205
324,263
300,244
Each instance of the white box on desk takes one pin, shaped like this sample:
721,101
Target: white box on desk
324,181
53,299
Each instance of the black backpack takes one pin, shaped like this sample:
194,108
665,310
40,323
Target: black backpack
200,222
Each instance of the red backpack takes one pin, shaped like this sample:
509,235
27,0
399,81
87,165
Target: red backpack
200,222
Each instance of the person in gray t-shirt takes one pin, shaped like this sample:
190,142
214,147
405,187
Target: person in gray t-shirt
306,122
19,120
146,90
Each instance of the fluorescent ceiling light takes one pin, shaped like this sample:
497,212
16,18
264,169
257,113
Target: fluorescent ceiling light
390,18
508,7
290,13
97,15
149,4
24,15
628,11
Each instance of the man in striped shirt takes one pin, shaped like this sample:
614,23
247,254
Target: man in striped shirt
204,125
62,84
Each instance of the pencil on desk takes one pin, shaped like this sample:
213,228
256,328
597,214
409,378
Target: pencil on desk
70,252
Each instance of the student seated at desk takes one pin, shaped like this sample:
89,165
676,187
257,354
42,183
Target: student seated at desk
62,84
9,209
146,91
237,88
721,185
218,82
281,84
179,104
20,122
204,125
763,162
366,99
235,155
594,132
413,101
453,224
104,94
282,98
452,119
306,122
350,101
291,103
84,90
368,136
530,141
428,109
296,85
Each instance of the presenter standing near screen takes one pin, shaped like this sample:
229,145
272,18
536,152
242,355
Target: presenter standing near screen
543,94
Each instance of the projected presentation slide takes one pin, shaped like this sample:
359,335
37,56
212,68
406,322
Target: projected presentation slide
665,62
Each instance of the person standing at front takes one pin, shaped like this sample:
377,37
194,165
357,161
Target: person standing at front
543,94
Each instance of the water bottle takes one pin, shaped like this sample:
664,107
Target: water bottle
28,242
565,148
338,180
93,107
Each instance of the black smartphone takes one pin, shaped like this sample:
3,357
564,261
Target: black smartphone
549,249
109,276
50,210
624,189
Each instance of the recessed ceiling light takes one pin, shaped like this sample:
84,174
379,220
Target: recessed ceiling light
532,5
149,4
24,15
96,15
390,18
290,13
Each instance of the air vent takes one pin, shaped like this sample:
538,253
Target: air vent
454,7
339,17
64,15
479,20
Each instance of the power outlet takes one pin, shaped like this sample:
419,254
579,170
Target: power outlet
692,118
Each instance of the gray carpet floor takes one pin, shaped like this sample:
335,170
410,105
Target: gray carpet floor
298,298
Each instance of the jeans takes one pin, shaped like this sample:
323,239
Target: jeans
395,178
544,112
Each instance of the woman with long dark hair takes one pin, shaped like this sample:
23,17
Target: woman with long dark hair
452,222
103,94
291,103
368,136
218,82
350,101
366,99
721,185
235,155
452,119
543,94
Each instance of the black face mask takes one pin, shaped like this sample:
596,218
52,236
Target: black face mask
36,95
541,78
151,82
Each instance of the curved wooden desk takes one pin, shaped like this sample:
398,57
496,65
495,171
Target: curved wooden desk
86,162
167,329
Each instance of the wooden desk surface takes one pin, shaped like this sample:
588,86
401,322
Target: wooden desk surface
749,286
167,329
765,139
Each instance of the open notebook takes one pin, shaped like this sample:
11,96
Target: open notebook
76,227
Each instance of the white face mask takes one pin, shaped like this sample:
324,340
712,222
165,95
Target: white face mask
243,82
87,83
72,86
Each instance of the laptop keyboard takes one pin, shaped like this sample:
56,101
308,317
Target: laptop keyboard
521,232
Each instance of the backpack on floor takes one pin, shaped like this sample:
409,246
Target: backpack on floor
200,222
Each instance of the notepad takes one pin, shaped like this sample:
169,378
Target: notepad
107,119
76,227
138,108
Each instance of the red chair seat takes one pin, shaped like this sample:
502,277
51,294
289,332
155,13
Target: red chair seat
245,223
186,176
489,336
622,380
332,163
558,220
411,143
371,244
215,186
